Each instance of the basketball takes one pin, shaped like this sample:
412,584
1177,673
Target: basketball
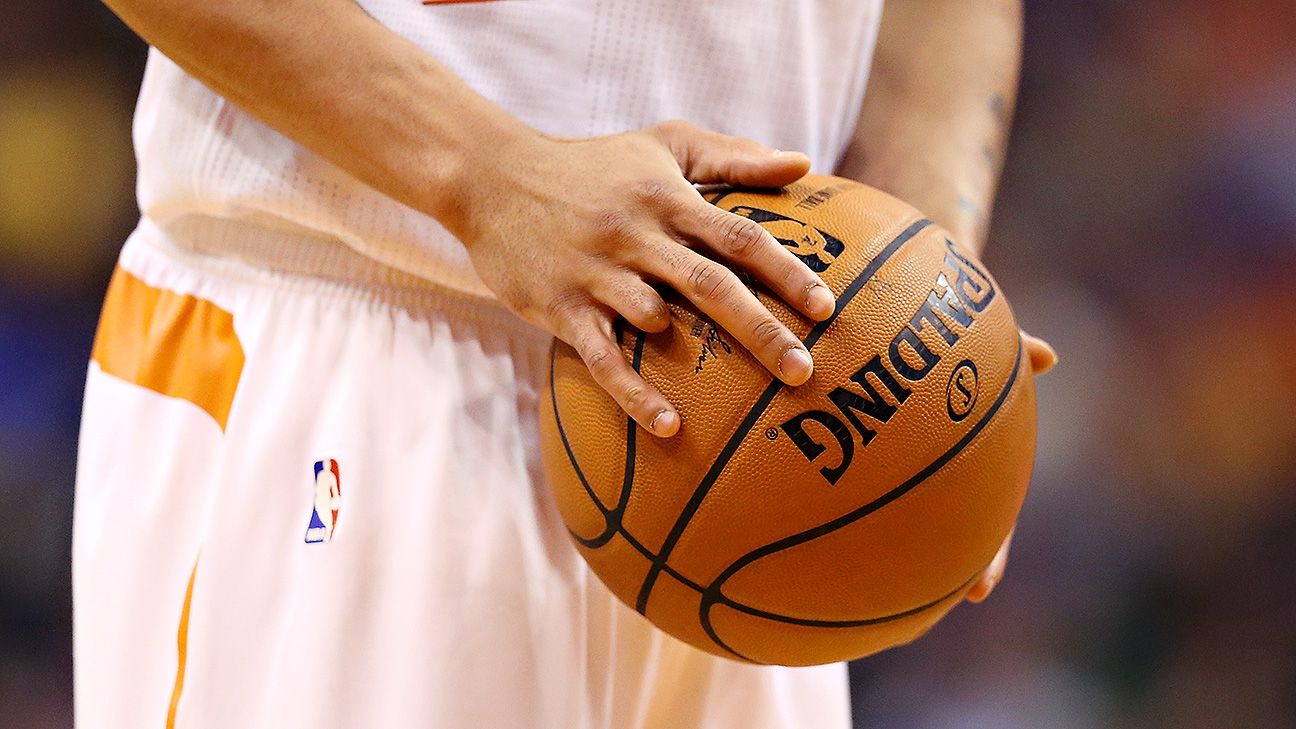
819,523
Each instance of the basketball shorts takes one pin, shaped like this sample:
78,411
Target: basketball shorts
312,498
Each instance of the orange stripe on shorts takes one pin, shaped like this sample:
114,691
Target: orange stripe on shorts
173,344
182,650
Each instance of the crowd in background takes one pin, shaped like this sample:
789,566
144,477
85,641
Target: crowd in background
1146,227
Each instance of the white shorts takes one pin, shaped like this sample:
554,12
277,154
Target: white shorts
305,502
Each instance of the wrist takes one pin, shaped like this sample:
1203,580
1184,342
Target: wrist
472,169
500,159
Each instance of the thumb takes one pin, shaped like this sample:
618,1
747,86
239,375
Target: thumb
1042,357
708,157
992,574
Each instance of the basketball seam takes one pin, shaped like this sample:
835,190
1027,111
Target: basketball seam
600,541
712,594
758,409
864,622
611,517
562,435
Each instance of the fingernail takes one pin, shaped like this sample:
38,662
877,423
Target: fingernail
819,302
795,366
664,423
784,154
981,590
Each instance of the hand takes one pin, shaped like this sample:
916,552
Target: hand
1042,358
572,233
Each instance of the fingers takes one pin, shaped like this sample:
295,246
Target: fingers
707,157
992,575
636,301
718,293
590,333
1042,357
744,242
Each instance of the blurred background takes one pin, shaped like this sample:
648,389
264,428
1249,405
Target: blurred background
1146,226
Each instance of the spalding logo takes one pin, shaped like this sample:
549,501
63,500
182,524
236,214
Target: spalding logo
961,391
814,247
908,358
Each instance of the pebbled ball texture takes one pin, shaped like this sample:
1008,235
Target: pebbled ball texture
820,523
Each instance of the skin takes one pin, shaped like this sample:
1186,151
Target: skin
617,213
934,127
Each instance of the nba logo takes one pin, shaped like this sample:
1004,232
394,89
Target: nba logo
328,499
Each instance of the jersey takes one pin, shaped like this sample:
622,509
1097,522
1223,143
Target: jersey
788,73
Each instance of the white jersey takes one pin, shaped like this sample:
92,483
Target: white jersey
788,73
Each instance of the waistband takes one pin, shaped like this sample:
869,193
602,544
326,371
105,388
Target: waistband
290,261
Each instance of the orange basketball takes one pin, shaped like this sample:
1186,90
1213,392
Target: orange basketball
820,523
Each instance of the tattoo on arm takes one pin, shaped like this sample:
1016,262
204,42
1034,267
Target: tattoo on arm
975,204
993,151
999,107
970,206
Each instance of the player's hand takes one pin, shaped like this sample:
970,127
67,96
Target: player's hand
571,233
1042,358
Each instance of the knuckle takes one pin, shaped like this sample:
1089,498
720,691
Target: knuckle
766,331
654,193
635,397
561,308
740,237
707,280
675,126
632,249
598,358
614,223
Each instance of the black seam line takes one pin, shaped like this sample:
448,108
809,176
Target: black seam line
632,431
711,633
740,607
639,547
881,501
716,200
713,595
562,435
722,460
613,517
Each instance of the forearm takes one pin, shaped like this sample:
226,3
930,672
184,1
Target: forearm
934,124
332,78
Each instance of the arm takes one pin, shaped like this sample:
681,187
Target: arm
333,79
567,232
934,124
